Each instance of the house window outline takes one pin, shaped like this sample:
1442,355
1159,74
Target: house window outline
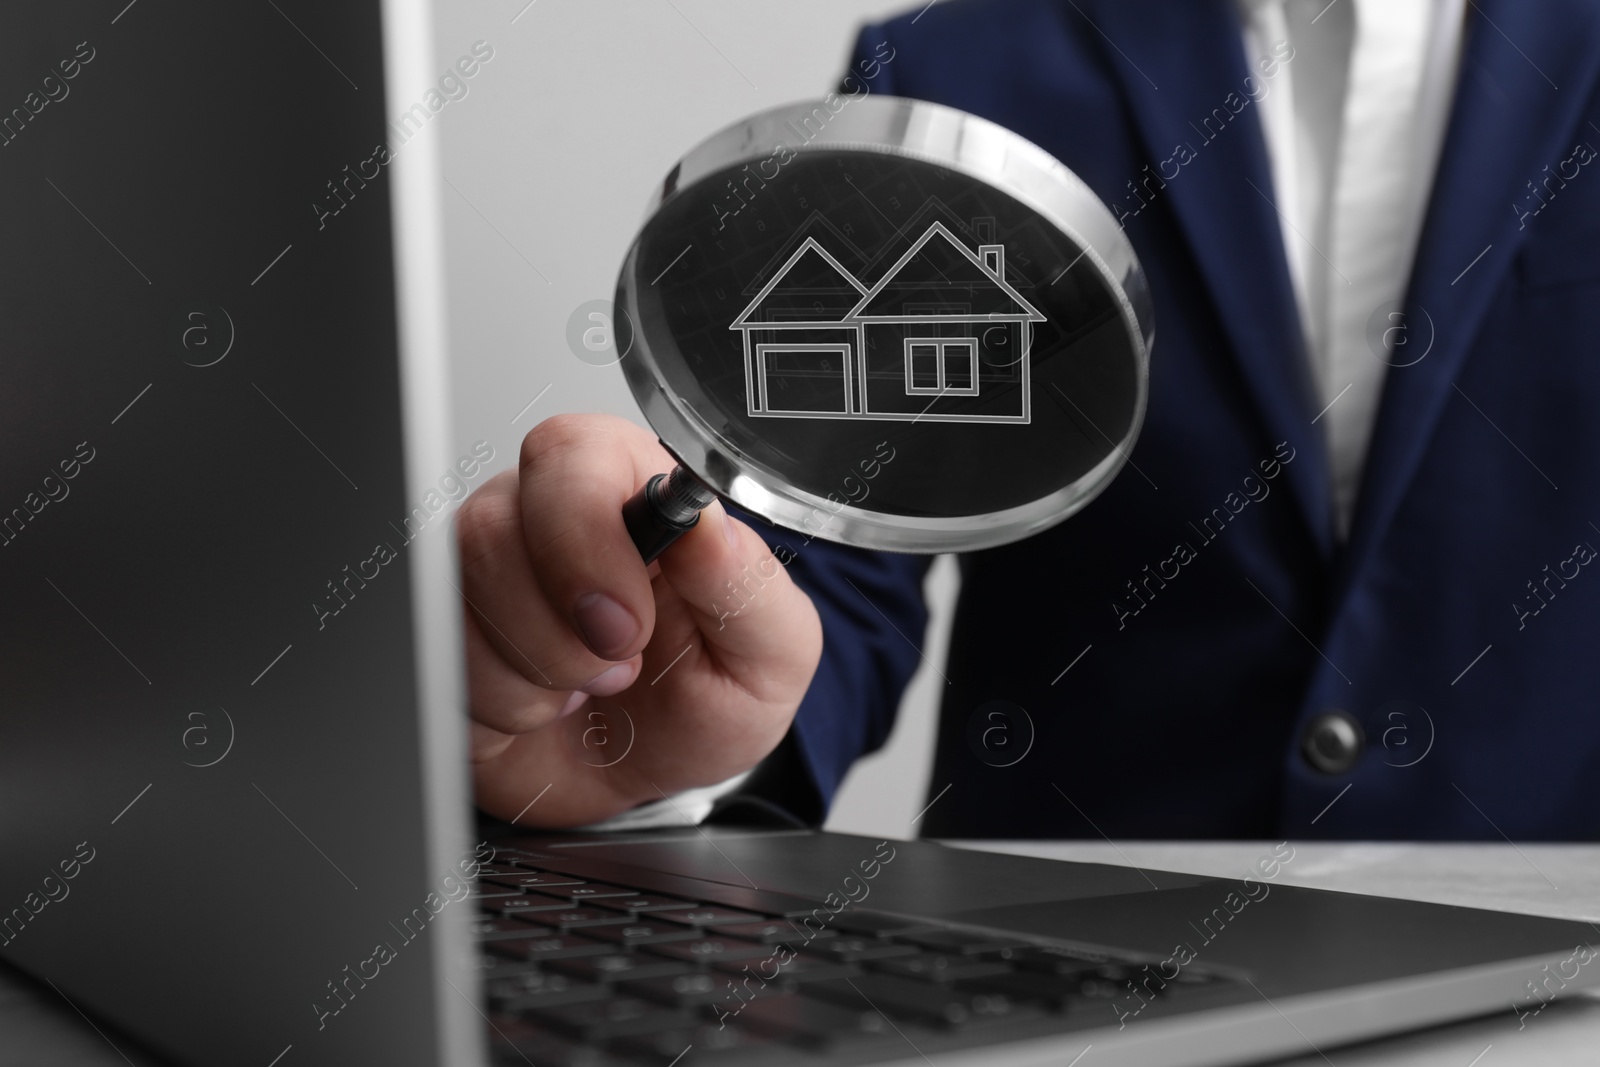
942,347
780,348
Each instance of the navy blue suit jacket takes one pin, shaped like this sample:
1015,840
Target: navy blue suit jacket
1207,611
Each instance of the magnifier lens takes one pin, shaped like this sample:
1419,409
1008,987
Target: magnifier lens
906,331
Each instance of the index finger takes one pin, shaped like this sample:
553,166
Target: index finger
576,473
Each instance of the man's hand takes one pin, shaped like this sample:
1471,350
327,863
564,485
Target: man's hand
577,653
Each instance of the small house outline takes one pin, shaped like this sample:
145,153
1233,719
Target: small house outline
930,348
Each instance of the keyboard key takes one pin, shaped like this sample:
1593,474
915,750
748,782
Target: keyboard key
491,967
499,869
709,949
856,949
504,929
607,1020
492,896
770,931
632,932
579,918
795,969
593,890
529,903
501,856
814,1024
537,989
711,916
736,991
549,946
619,966
958,942
695,988
927,1002
534,881
649,902
936,967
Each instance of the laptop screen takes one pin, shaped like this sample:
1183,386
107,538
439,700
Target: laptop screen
211,795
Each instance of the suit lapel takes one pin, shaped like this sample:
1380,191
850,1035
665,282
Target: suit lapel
1177,62
1509,119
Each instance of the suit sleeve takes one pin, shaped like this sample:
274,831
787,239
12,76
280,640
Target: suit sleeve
871,67
872,611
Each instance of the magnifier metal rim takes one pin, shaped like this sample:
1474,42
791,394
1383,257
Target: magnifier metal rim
945,137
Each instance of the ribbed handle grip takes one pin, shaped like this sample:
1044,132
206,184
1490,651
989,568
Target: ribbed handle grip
664,510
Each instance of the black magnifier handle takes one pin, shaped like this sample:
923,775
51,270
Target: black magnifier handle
664,510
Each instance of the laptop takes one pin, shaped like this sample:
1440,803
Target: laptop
233,777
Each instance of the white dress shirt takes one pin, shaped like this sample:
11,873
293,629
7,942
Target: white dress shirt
1354,122
688,808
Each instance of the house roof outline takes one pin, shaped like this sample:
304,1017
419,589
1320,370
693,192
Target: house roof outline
743,321
815,225
932,210
1028,314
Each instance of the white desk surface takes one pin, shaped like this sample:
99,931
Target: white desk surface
37,1029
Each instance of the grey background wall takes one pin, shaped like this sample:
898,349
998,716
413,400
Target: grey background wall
550,157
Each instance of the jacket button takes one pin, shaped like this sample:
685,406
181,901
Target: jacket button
1332,742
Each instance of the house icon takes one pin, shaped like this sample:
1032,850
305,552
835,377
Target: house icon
940,337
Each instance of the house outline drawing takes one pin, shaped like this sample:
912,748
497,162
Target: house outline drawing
826,346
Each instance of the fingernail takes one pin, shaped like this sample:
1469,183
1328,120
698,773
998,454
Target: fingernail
607,626
611,681
729,531
574,702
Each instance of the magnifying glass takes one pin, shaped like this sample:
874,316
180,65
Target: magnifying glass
882,322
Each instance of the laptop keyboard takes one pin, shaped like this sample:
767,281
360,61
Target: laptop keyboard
586,973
